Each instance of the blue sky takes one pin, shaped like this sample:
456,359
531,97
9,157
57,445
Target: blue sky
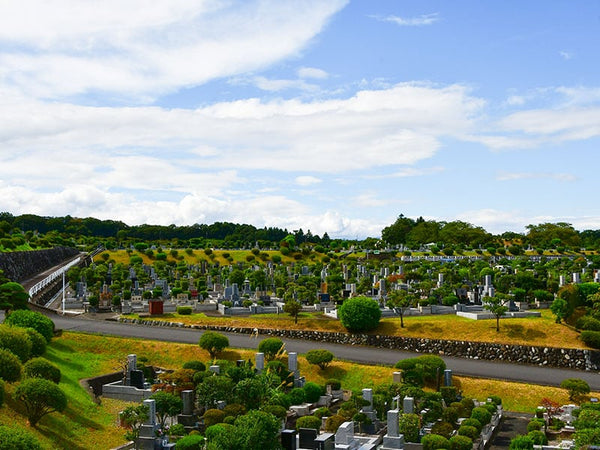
331,116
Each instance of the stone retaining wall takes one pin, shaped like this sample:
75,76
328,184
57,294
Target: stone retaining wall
19,266
540,356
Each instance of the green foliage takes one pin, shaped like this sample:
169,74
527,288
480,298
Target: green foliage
319,357
10,366
576,387
271,347
461,443
258,430
560,308
335,384
40,397
297,396
190,442
234,410
521,443
252,392
470,422
42,368
312,392
409,427
277,410
213,416
591,338
12,297
359,314
17,439
32,319
588,418
422,368
495,399
469,431
321,412
333,423
535,424
481,414
184,310
450,415
538,437
434,441
588,323
308,422
443,429
167,405
588,436
16,340
213,342
448,394
197,366
1,392
213,389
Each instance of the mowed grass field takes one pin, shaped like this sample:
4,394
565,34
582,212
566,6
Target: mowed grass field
539,331
87,425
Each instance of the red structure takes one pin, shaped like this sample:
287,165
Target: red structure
155,307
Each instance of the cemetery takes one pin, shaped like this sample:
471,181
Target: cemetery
395,416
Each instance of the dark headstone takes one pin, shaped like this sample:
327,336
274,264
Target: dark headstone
307,437
288,439
325,441
137,379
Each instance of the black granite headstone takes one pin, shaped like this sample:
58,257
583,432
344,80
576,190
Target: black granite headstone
307,437
137,379
288,439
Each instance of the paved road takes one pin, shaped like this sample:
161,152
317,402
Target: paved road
359,354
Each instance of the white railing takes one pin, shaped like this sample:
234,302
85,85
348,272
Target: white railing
50,278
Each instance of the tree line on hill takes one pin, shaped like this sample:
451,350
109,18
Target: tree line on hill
43,232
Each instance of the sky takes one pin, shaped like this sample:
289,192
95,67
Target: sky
332,116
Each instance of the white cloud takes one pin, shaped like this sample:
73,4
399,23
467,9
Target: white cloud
312,72
510,176
137,50
307,180
271,85
425,19
565,55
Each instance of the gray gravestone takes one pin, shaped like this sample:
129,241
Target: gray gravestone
393,440
188,402
260,362
367,395
448,377
345,434
215,369
408,405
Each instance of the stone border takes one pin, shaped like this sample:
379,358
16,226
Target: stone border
567,358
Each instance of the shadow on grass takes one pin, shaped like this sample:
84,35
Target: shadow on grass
60,361
420,327
60,347
520,332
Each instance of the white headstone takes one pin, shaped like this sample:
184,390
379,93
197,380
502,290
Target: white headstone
259,359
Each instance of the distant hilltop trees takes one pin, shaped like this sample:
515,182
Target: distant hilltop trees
29,231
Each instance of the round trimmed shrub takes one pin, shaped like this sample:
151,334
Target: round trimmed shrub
472,423
190,442
591,338
42,368
196,366
234,410
26,318
277,410
443,429
521,443
321,412
15,340
535,425
270,347
297,396
319,357
335,384
10,366
213,342
308,422
481,414
588,323
38,342
312,392
359,314
40,397
538,437
434,441
184,310
213,417
17,439
333,423
461,443
468,431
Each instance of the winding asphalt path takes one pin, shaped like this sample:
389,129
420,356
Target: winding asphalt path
359,354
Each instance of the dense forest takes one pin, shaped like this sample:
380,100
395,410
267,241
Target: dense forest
39,232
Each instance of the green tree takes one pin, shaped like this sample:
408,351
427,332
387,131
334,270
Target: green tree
134,417
271,347
16,340
497,306
521,443
10,366
42,368
40,397
319,357
400,300
409,427
258,430
576,387
32,319
560,309
293,308
213,342
213,389
167,405
397,233
359,314
12,297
